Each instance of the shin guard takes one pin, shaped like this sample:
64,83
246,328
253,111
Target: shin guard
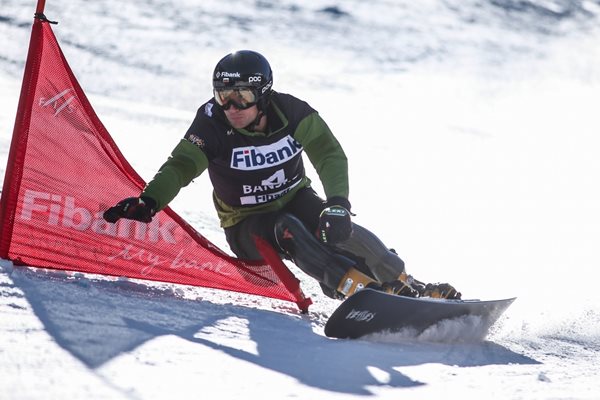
383,263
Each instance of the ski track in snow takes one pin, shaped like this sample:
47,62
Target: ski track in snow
482,112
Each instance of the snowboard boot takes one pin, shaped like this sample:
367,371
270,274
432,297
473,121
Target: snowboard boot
434,290
408,286
353,281
437,290
400,287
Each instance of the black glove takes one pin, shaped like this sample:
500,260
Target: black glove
335,222
137,208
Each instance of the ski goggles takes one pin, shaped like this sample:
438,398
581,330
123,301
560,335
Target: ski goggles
242,98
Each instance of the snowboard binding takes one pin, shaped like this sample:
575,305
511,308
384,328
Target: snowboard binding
408,286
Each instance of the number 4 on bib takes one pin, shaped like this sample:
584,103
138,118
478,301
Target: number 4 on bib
275,180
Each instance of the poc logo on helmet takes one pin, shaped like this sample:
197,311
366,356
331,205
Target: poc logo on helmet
254,79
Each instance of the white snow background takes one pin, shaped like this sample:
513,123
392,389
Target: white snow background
472,129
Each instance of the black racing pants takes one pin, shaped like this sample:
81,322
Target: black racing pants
292,232
306,206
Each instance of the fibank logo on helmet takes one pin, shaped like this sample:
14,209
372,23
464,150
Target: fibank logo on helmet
226,74
258,157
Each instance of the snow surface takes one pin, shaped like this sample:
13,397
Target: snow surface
472,132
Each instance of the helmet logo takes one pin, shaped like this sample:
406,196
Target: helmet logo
267,87
254,79
229,74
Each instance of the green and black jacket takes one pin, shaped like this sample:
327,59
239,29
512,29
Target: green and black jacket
253,172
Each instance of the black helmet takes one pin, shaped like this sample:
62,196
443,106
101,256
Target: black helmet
245,69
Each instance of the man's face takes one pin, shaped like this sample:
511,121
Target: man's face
241,118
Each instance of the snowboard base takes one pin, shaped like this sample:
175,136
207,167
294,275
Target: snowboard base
371,311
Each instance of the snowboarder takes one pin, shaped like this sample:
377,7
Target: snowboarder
250,138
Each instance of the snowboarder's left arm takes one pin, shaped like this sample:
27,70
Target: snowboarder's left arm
326,155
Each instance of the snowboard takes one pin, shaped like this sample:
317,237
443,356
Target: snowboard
371,311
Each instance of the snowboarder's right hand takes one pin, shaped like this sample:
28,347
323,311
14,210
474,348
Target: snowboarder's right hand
137,208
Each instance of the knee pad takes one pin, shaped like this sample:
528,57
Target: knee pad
383,263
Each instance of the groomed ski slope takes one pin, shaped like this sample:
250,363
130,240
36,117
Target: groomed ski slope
472,134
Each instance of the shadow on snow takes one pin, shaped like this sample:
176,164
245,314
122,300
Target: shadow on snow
97,320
